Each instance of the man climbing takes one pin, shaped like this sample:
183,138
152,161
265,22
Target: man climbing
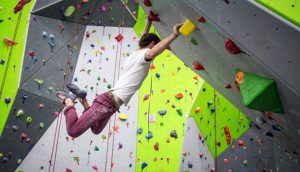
105,105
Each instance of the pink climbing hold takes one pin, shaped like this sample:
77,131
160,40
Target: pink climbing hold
103,8
153,17
146,97
87,34
197,66
231,47
147,3
20,5
56,114
119,37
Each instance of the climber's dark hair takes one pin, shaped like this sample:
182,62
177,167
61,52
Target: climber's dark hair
147,39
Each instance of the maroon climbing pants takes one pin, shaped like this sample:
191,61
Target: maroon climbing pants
96,117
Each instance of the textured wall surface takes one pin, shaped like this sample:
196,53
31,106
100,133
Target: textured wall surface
268,43
98,67
195,155
99,13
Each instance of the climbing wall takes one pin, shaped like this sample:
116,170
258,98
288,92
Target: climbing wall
263,41
99,13
100,64
196,155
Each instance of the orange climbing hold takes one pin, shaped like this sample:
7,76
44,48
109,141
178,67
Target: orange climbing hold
197,66
179,96
9,43
84,1
197,109
240,142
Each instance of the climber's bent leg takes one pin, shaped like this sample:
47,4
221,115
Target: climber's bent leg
100,111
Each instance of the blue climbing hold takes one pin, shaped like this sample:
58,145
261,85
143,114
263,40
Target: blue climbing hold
149,136
190,165
144,165
162,112
139,131
212,110
157,75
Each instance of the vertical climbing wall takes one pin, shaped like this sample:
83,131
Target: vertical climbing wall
100,64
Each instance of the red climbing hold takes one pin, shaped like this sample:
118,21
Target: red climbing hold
152,16
68,170
240,142
197,66
227,85
20,5
156,146
201,19
212,170
200,155
119,37
179,96
231,47
147,3
226,161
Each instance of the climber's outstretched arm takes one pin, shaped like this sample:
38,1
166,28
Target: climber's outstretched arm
164,44
147,27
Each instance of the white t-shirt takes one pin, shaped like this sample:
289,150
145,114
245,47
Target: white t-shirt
136,69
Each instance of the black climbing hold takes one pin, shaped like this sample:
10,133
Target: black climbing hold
269,134
174,134
7,100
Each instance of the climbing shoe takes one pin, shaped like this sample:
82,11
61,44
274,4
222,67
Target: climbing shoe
77,91
63,96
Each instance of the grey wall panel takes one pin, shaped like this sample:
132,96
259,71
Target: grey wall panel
52,73
42,3
272,42
10,141
261,153
114,9
219,65
192,149
38,44
104,67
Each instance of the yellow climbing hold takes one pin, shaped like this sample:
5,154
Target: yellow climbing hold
69,11
123,117
187,28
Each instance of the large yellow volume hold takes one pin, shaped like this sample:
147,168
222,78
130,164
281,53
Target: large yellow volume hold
187,28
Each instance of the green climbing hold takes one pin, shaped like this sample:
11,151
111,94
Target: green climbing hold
109,86
42,125
161,123
1,155
179,111
258,92
50,89
19,170
20,113
98,78
96,148
1,21
29,120
19,161
69,11
39,81
194,41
